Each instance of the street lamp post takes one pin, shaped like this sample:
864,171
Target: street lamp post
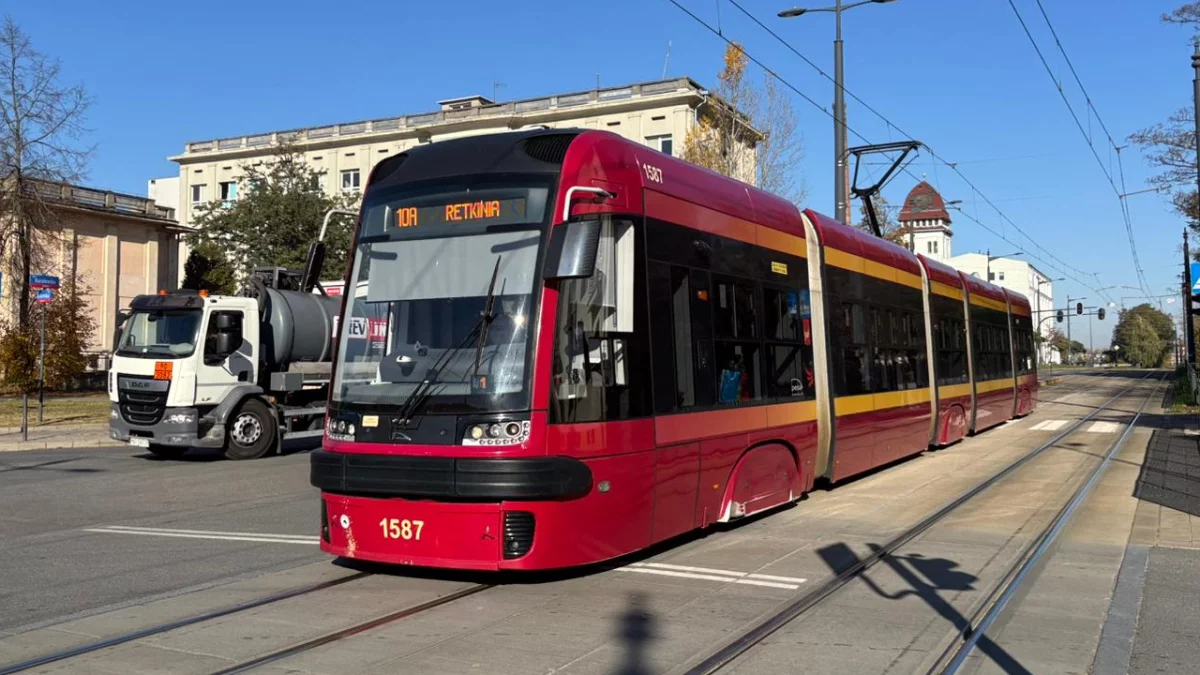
841,172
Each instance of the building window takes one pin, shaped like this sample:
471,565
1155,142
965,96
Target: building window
991,276
198,193
1002,276
663,143
228,192
315,186
350,180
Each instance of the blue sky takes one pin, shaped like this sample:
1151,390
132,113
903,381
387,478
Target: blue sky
960,76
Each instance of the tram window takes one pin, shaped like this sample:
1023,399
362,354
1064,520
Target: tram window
739,373
856,372
781,314
662,337
685,372
788,358
734,315
601,365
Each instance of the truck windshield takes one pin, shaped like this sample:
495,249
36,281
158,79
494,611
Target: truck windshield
161,333
417,304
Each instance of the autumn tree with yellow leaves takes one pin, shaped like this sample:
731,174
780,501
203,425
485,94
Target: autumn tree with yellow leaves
749,131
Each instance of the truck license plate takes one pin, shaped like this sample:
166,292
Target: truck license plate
139,442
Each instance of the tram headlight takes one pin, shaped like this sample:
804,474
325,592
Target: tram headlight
512,429
350,429
476,432
495,431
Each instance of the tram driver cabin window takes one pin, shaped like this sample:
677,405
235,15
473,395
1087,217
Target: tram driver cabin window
598,369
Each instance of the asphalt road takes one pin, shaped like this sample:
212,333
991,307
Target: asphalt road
54,568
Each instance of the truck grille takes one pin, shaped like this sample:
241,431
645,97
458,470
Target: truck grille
141,406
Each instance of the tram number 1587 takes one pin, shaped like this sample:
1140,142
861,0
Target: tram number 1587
398,528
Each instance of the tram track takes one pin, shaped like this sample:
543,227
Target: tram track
130,636
263,659
965,642
728,654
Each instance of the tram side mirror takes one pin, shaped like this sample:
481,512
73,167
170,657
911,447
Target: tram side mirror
572,250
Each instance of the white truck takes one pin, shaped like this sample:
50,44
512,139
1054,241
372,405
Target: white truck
240,373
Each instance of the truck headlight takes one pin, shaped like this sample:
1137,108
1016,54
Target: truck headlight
181,418
112,414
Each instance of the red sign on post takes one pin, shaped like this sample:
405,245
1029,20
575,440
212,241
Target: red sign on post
44,297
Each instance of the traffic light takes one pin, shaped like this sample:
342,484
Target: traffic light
1079,308
1060,316
1100,313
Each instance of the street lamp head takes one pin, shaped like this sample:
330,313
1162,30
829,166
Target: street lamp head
789,13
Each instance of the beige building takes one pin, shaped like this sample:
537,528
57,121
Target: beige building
118,245
658,114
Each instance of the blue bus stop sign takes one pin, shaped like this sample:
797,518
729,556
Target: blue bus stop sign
44,296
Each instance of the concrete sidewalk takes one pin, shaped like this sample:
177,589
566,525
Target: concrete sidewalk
56,436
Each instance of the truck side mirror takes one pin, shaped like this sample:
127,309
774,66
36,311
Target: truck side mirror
227,323
572,250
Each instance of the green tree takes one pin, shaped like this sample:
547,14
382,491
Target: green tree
1130,335
207,269
1141,345
276,215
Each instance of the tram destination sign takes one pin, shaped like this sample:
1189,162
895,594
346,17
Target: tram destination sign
482,211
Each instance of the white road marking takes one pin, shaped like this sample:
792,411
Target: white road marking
1103,428
1049,425
709,574
207,534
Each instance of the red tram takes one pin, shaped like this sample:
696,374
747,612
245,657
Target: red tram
579,347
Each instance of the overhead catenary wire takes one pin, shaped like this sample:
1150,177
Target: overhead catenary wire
1087,137
1062,266
1040,254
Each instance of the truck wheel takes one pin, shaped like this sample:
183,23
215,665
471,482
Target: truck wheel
251,431
167,451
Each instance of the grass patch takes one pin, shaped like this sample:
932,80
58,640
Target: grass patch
59,410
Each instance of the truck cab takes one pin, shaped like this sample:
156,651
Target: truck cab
180,360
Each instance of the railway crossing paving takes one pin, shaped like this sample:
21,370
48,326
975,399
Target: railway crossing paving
663,611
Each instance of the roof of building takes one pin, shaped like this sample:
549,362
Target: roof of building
924,203
105,201
512,111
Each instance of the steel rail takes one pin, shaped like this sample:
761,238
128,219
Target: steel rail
173,625
355,629
764,629
953,658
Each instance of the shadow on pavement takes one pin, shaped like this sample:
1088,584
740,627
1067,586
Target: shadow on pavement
1170,474
49,465
928,579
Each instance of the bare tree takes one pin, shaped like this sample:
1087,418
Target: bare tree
781,150
749,131
41,122
1188,14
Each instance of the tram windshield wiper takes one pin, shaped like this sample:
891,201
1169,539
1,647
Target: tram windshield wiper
486,321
